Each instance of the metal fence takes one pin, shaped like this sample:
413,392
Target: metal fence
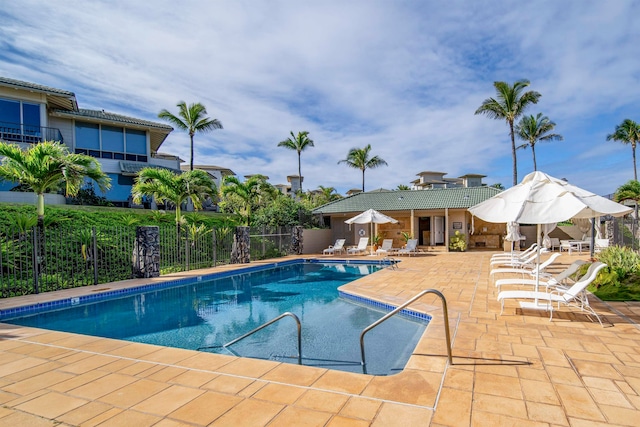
624,232
269,242
67,256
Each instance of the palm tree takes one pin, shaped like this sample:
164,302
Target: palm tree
628,132
163,184
249,192
403,187
497,185
298,143
327,194
628,191
358,158
191,118
49,166
509,105
536,128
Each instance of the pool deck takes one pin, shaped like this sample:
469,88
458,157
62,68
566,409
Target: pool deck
515,369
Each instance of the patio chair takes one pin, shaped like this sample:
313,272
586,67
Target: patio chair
547,280
516,254
575,296
525,269
336,247
555,243
410,248
600,245
361,248
386,247
527,262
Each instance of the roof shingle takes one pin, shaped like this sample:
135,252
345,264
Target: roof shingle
452,198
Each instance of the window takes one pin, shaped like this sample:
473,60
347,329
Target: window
9,112
87,135
136,142
112,139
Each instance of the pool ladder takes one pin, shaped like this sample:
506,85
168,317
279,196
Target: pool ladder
274,320
399,309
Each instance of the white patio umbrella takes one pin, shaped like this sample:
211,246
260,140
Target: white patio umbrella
513,234
542,199
371,216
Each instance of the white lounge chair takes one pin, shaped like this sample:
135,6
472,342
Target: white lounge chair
361,248
386,247
524,269
516,254
336,247
521,263
546,280
410,248
575,296
600,245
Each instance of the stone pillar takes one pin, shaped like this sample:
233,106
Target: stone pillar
146,252
296,240
240,253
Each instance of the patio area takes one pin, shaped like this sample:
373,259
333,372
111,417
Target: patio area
515,369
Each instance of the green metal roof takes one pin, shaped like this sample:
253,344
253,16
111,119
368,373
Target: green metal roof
452,198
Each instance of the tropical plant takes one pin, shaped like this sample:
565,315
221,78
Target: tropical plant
403,187
533,129
497,185
298,143
326,195
628,191
376,239
49,166
358,158
628,132
458,242
163,184
248,194
192,118
406,236
509,104
130,220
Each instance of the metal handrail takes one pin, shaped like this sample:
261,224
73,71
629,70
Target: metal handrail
400,308
264,325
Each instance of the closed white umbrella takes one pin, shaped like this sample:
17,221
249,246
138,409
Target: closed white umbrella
371,216
543,199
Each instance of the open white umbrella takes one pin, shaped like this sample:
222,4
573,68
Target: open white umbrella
371,216
543,199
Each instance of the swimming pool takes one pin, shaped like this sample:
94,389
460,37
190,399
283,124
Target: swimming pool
204,314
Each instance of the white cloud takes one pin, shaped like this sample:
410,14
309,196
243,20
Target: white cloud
405,77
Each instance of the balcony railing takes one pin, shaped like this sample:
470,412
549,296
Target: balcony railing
17,132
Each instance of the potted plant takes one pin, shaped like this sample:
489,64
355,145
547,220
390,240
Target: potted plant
406,236
375,241
458,242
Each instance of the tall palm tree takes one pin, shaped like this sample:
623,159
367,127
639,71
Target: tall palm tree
47,167
358,158
163,184
298,143
191,118
628,132
509,104
327,194
536,128
249,192
403,187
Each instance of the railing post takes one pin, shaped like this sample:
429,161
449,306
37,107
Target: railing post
94,251
187,250
215,246
35,259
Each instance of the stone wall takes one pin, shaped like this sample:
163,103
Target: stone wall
146,252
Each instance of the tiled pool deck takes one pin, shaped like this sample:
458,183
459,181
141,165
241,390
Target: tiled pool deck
516,369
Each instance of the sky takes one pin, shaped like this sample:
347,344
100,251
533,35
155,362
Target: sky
403,76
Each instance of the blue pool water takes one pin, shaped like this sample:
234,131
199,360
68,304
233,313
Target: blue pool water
206,314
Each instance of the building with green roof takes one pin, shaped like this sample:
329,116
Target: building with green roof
32,113
431,216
